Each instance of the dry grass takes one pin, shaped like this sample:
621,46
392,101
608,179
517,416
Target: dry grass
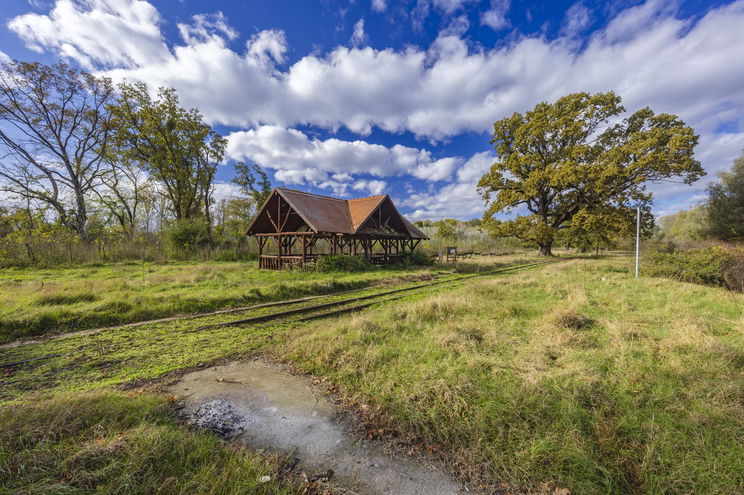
575,376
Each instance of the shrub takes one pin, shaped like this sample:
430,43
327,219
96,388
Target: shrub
733,275
417,258
182,238
715,265
342,263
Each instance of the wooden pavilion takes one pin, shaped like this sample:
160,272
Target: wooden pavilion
290,224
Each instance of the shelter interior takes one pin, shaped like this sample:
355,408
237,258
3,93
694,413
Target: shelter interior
290,224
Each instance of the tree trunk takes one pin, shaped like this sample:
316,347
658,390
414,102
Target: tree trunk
546,249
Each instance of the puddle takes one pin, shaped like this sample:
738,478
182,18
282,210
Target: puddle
265,408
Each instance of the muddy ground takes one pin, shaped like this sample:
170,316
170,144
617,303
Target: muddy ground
263,407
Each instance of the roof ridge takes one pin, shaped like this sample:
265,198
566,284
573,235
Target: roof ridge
310,194
368,197
330,197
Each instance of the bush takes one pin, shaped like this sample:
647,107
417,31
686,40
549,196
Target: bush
342,263
733,275
183,238
417,259
715,265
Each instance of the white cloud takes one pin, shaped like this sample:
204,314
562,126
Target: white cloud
379,5
109,33
476,167
438,170
267,45
375,187
647,53
225,190
204,26
359,37
576,20
495,17
303,160
449,6
458,199
4,57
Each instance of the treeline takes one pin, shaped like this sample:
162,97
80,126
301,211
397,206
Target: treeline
719,218
92,171
473,236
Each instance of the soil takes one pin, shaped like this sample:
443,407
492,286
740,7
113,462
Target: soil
261,406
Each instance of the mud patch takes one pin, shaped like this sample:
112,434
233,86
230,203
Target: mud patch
264,408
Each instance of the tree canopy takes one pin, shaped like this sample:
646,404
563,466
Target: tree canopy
54,135
574,159
725,206
171,143
253,182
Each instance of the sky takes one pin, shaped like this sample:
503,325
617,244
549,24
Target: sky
361,97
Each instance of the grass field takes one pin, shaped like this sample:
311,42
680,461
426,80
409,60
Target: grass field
117,443
573,376
36,302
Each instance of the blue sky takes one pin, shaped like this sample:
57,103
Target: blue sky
360,97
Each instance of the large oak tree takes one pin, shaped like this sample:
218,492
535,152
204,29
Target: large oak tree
576,158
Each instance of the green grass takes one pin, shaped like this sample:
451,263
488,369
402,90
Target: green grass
116,443
575,376
140,353
567,376
35,302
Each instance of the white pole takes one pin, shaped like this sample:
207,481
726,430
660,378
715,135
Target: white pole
638,238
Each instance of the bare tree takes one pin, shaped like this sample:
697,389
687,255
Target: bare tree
53,136
125,188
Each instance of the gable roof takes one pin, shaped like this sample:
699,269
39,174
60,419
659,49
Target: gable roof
361,209
335,215
321,213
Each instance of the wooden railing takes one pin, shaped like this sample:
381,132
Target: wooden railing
273,262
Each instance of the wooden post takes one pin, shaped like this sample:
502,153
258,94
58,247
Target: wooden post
279,251
260,252
304,251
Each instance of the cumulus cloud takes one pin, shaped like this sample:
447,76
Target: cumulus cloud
495,17
267,46
437,170
108,33
375,187
4,57
304,160
647,53
458,199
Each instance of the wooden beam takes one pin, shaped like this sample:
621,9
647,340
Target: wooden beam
274,234
268,214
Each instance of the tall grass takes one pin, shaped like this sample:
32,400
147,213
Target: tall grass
577,377
113,443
